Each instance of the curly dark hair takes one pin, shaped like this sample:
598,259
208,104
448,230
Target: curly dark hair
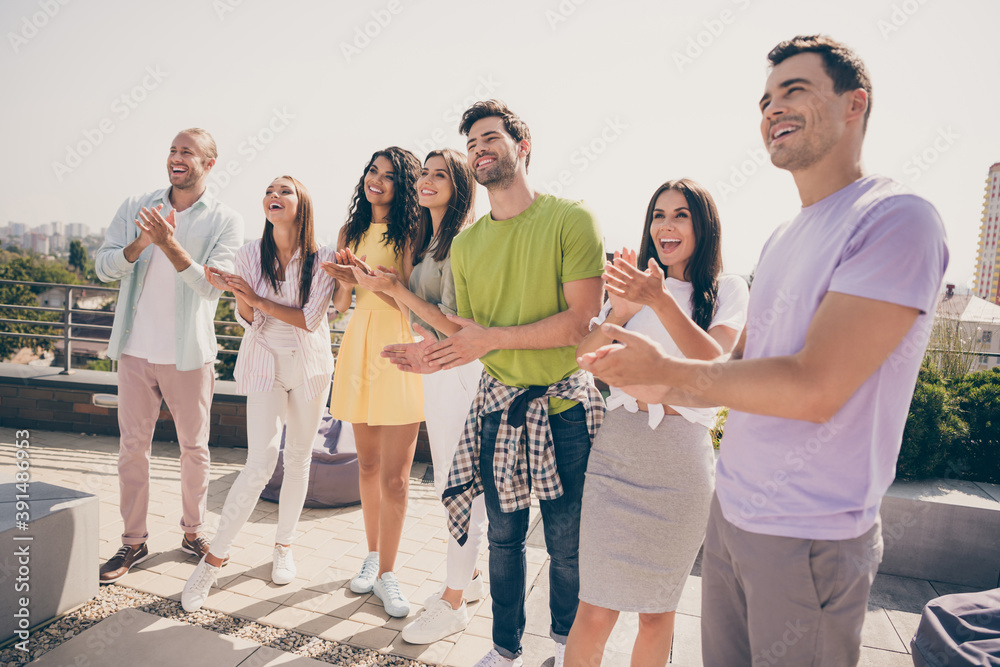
841,64
705,265
405,210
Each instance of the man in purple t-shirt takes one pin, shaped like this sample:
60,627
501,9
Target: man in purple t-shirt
819,386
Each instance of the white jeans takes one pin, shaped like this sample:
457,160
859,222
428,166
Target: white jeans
285,405
448,396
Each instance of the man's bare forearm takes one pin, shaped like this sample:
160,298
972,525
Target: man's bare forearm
134,249
564,329
177,255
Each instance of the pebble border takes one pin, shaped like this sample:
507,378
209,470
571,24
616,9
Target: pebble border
113,598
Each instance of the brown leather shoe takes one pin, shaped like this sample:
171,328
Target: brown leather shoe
119,564
199,547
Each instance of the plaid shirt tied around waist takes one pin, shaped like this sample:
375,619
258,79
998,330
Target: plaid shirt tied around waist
524,458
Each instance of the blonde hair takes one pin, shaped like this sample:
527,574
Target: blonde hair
206,140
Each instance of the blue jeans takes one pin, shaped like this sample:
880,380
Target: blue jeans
561,523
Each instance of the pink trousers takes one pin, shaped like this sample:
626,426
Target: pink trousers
141,387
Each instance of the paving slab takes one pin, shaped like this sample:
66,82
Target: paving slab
132,637
900,593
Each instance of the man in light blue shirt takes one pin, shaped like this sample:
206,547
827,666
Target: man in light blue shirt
163,336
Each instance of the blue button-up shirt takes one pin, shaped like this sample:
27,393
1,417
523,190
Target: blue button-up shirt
210,233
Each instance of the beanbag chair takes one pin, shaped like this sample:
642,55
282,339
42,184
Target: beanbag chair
333,474
959,630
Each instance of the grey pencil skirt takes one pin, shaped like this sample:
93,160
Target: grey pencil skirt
645,509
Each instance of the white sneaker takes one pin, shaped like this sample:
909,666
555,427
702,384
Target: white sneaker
494,659
198,585
283,569
386,589
365,580
475,591
437,622
560,654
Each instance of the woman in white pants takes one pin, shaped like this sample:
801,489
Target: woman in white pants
446,191
284,368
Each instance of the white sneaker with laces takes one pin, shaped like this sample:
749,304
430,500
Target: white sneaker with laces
283,569
475,591
365,579
386,589
494,659
560,654
198,585
437,622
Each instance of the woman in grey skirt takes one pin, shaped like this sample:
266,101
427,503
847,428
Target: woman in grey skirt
651,471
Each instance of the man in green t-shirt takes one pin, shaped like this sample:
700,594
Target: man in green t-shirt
527,281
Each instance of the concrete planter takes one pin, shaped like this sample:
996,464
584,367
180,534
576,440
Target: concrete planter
943,530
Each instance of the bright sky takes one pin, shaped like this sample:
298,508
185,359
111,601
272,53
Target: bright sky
619,96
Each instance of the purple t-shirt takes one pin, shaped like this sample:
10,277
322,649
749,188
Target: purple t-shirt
793,478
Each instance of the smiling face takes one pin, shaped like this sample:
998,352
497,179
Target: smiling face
434,187
281,202
672,232
187,164
802,117
493,154
380,182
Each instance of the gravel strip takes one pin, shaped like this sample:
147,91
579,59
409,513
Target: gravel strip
114,598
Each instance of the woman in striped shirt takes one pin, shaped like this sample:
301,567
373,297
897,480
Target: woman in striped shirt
284,368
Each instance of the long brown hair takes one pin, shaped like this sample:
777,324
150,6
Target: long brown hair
306,243
460,208
705,265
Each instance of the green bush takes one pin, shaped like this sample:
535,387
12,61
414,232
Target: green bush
934,431
978,397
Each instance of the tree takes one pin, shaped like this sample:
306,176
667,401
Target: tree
30,269
225,364
78,256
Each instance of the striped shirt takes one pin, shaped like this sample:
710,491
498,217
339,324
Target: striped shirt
255,364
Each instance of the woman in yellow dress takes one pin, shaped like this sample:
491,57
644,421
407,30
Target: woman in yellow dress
384,404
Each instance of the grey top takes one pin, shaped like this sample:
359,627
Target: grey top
432,281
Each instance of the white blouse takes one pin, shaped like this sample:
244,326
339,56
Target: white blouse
731,311
254,370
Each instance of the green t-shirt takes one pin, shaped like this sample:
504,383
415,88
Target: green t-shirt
511,272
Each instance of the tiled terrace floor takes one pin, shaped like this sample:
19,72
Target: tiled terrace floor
330,550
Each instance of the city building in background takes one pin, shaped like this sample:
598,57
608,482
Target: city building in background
969,327
50,238
987,280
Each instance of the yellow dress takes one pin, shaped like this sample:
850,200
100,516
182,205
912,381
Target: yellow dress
368,389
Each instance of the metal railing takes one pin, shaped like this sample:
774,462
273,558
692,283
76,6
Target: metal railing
66,324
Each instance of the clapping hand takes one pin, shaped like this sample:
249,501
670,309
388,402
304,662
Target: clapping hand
621,308
241,289
623,279
633,364
154,226
378,280
342,269
409,357
216,278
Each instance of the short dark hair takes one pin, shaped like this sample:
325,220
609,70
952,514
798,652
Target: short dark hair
840,62
515,127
